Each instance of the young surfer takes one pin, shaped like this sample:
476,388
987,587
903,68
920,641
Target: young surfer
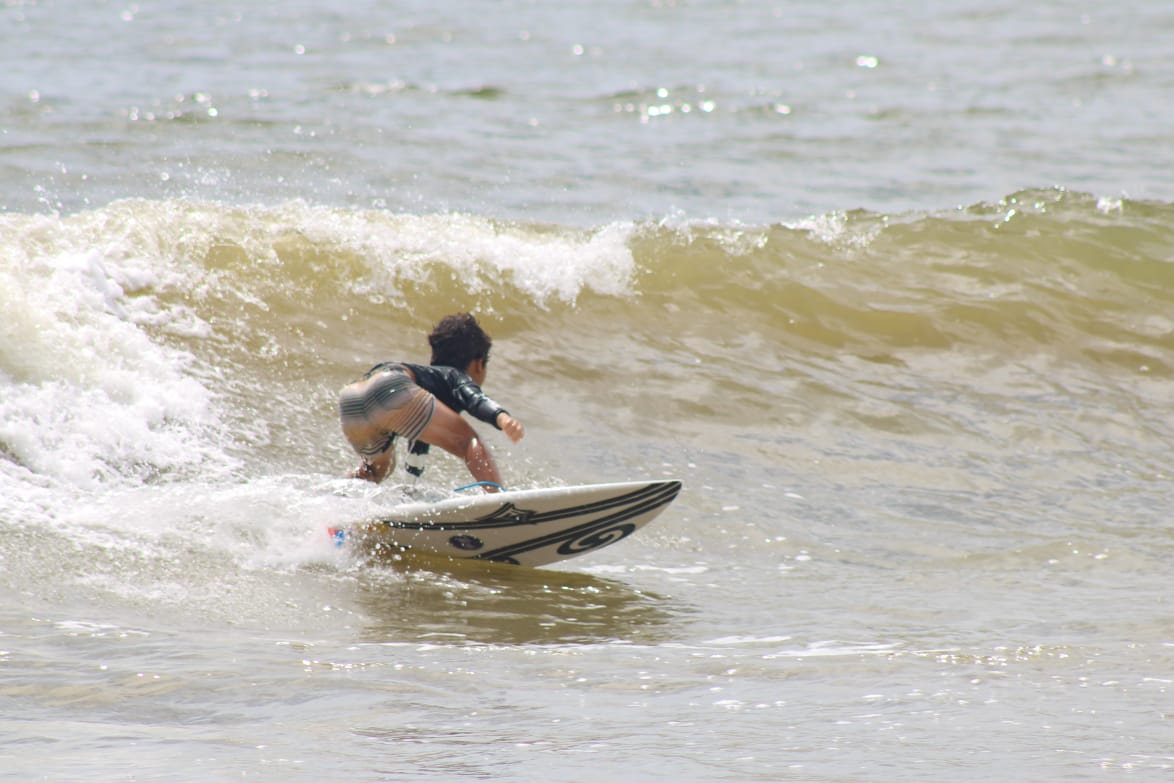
424,403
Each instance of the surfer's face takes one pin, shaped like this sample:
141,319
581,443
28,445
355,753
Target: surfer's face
477,370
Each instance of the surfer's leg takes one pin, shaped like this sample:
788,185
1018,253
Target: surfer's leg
450,432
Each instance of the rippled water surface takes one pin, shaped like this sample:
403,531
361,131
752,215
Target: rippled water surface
889,289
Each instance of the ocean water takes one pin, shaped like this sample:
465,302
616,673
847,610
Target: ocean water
890,288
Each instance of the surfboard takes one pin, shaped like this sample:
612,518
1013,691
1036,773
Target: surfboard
530,527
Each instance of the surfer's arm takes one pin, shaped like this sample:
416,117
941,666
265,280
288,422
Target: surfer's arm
469,397
483,407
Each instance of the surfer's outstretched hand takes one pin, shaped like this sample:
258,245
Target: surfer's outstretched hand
510,426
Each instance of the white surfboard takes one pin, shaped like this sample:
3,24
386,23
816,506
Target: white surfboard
530,527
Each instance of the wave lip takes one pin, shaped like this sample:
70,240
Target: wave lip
1078,278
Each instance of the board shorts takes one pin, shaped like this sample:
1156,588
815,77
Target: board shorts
375,410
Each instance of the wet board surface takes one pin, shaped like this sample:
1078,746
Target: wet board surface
531,527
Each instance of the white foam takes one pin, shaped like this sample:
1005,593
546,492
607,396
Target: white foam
278,522
726,641
86,395
837,229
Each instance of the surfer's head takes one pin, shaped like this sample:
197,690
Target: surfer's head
459,340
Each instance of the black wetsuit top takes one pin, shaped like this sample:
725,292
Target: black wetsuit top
451,386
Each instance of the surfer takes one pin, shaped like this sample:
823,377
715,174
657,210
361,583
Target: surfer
424,403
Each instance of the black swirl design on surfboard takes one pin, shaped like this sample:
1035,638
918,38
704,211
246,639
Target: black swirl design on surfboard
596,539
595,533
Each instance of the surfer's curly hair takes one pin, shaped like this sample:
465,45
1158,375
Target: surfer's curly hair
458,340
